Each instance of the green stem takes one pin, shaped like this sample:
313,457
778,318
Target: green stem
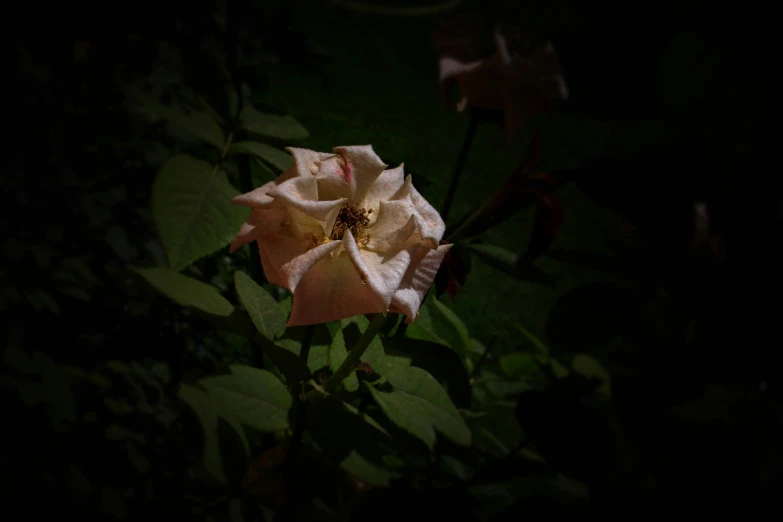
356,353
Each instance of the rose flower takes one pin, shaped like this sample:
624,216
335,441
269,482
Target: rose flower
497,69
345,235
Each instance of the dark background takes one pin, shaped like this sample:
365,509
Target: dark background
685,96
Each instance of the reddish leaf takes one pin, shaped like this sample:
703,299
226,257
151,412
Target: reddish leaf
453,273
365,367
548,219
264,476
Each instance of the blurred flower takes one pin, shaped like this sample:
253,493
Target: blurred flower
344,234
704,241
496,68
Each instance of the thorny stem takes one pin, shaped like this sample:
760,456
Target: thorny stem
461,160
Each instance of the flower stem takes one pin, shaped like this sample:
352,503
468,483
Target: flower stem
463,156
356,353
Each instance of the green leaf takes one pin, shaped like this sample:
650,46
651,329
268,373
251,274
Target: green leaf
419,405
198,123
455,467
275,157
337,354
216,446
463,346
489,386
318,357
588,367
498,431
262,307
439,324
256,398
517,365
272,125
285,360
261,173
205,410
191,205
383,363
425,327
440,361
366,418
187,291
340,429
367,471
541,348
285,306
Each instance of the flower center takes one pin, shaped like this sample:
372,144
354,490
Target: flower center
351,218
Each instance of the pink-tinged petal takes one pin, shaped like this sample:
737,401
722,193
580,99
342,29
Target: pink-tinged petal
385,186
332,289
306,161
332,183
361,166
260,198
270,271
292,257
432,225
302,194
259,222
382,273
417,281
247,234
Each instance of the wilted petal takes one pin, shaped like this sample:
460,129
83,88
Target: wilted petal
381,273
260,222
391,216
332,289
292,257
384,187
432,224
304,226
361,166
397,240
397,222
259,198
417,281
302,194
306,161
